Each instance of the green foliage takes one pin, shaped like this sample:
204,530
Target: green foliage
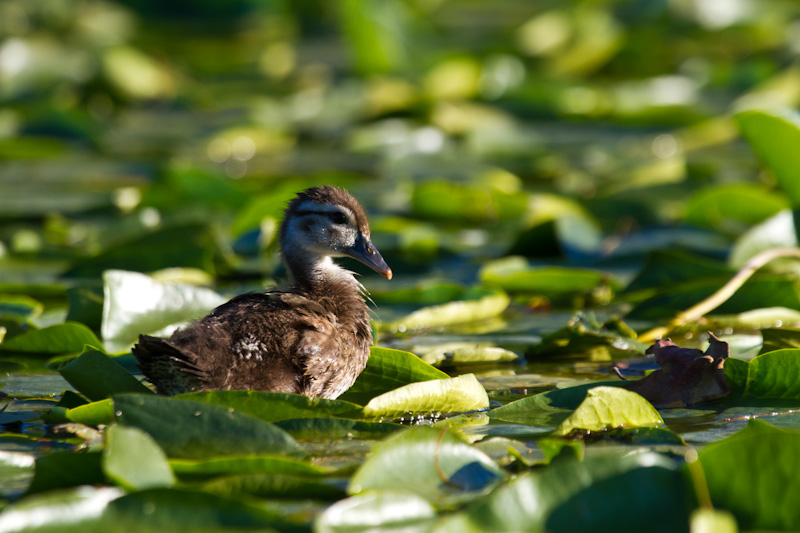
532,172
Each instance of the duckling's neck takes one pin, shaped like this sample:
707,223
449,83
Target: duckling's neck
314,274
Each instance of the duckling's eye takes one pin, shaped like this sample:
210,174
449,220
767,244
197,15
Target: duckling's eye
338,218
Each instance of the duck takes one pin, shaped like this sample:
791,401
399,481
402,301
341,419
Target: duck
312,339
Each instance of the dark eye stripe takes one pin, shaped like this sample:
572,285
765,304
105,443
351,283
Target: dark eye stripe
336,217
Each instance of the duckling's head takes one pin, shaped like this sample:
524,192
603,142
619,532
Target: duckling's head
324,222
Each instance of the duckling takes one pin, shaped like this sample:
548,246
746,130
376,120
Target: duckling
311,339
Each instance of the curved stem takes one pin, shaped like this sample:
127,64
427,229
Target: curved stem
721,296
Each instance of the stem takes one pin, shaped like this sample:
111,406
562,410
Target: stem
721,296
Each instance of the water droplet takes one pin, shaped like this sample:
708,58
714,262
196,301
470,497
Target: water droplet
118,413
198,413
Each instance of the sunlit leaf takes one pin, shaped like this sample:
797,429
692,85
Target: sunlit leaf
478,305
135,304
434,464
774,375
777,231
59,511
542,280
92,414
388,369
464,353
387,510
133,460
610,407
453,395
18,307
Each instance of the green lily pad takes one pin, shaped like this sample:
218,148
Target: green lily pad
479,304
734,207
513,275
133,460
779,338
336,428
608,408
194,430
65,469
603,493
92,414
774,134
434,464
774,375
275,486
19,308
454,395
386,370
751,474
97,376
243,464
275,406
386,510
69,337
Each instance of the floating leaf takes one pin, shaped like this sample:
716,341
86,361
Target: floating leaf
775,232
386,510
19,308
603,493
774,375
193,430
464,353
665,269
763,491
454,395
549,281
434,464
69,337
733,206
275,485
773,134
780,338
92,414
480,305
610,407
63,469
98,376
133,460
60,511
275,406
244,464
336,428
387,370
135,303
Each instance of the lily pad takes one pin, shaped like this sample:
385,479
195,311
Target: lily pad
434,464
763,491
98,376
453,395
773,134
69,337
605,493
386,370
243,464
136,303
133,460
386,510
610,407
275,406
479,304
194,430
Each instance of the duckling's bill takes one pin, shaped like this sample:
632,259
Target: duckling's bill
365,252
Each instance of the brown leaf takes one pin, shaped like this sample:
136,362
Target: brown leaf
687,376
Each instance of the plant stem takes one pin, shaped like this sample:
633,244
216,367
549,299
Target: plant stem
721,296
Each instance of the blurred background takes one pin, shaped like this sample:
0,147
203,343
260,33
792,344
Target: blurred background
142,135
